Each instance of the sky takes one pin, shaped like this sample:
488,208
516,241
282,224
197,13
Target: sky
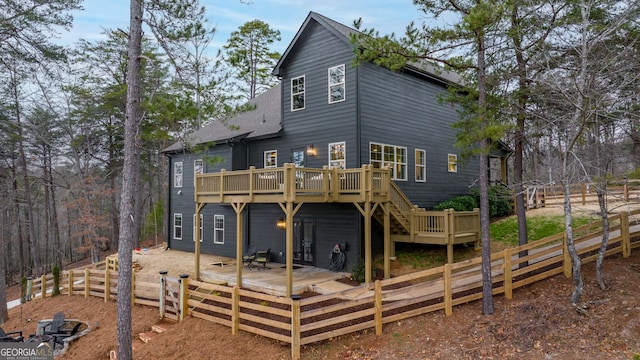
386,16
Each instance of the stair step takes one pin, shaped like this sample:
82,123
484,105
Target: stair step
160,328
147,336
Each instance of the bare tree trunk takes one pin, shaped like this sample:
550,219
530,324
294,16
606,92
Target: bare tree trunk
130,181
571,246
605,233
4,312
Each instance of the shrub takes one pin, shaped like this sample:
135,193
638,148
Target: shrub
460,203
357,272
499,201
56,280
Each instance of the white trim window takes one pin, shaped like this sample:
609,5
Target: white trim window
297,93
198,168
177,226
218,229
177,174
452,163
421,165
270,159
201,227
336,80
391,156
338,155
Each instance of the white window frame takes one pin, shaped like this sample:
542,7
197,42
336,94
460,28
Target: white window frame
198,168
452,163
218,232
298,90
178,170
336,79
337,155
177,216
270,159
201,227
389,157
420,167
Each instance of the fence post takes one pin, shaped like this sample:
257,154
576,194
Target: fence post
566,258
70,282
29,289
584,193
87,282
448,292
107,285
378,306
508,280
295,327
163,291
184,296
43,286
235,310
624,231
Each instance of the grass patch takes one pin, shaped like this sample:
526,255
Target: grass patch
538,227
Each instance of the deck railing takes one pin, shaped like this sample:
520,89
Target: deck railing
290,183
370,306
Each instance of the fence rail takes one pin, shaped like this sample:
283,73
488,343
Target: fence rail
299,321
581,193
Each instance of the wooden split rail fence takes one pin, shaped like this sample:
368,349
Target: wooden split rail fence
300,321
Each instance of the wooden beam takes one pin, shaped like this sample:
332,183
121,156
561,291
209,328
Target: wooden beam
238,208
289,211
387,240
199,208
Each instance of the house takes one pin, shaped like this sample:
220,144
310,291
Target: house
343,128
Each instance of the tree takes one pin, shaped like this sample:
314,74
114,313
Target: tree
248,52
475,28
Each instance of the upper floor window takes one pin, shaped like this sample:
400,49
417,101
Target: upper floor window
337,155
421,165
198,168
336,84
297,93
177,226
391,156
452,163
177,174
271,159
218,229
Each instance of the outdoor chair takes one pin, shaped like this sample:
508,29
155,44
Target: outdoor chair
9,337
59,337
249,256
262,257
55,327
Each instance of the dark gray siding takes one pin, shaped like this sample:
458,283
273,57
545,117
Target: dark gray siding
320,123
402,110
334,223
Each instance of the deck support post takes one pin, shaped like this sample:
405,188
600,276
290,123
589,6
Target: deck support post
366,211
239,208
199,207
289,211
387,241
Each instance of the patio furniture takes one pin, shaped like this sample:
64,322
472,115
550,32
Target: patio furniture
262,257
65,333
56,324
249,256
9,337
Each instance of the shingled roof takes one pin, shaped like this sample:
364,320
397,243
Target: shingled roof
263,121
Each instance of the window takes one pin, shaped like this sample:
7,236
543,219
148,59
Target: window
198,168
177,174
337,155
271,159
218,229
391,156
201,227
421,166
452,163
297,157
177,226
336,82
297,93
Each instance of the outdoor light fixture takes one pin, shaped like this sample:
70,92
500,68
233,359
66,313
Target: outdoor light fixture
311,151
281,224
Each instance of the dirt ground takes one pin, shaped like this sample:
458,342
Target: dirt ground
538,323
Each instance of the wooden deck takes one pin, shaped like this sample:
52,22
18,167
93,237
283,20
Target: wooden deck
370,190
